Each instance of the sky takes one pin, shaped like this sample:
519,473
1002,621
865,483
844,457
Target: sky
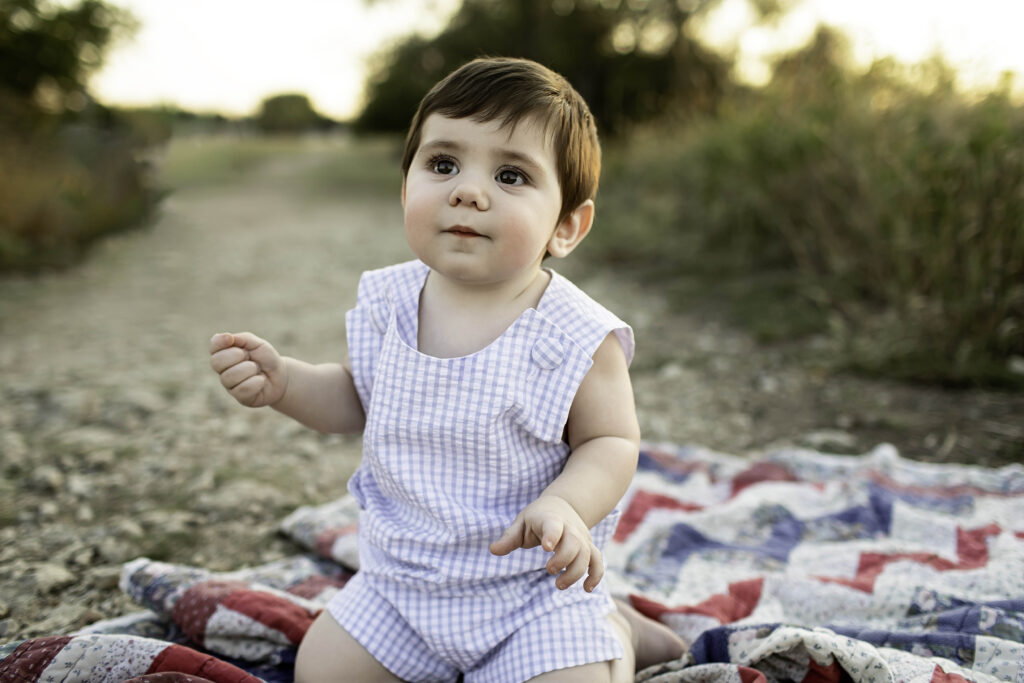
227,55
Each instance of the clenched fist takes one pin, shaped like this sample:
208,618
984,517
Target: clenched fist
249,367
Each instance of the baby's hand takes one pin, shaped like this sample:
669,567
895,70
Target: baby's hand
553,524
250,368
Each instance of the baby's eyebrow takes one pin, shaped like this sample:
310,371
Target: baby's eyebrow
442,145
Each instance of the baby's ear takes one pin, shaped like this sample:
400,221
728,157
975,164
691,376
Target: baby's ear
571,230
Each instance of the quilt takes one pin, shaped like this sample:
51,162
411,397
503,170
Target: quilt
791,565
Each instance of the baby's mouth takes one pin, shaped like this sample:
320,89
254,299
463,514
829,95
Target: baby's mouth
463,231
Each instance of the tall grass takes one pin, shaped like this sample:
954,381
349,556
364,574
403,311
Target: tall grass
895,211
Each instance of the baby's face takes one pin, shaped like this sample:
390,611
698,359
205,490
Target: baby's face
481,202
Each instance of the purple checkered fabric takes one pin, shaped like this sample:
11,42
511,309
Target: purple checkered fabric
453,449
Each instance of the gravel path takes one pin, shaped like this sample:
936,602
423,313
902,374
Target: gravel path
117,441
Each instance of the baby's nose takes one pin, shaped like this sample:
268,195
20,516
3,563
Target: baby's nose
469,194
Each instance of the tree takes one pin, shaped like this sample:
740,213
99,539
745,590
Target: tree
288,113
47,52
629,60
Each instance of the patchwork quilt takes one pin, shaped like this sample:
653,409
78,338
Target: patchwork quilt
789,566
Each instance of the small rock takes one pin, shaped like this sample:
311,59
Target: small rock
307,448
671,371
767,384
86,440
1016,365
7,627
145,401
50,578
721,364
84,514
206,481
79,486
102,459
64,617
130,528
829,441
237,429
104,577
13,448
80,406
287,430
84,556
48,509
113,550
47,478
242,494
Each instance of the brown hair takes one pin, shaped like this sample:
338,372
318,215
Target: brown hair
509,89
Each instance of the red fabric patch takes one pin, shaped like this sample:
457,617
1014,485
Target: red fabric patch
168,677
194,609
833,673
325,540
935,491
272,611
972,545
642,503
314,585
762,471
739,602
941,676
972,553
30,658
180,659
671,462
748,675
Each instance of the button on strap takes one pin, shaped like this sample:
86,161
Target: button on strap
548,353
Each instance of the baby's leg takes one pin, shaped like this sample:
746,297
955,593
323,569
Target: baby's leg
652,641
328,654
644,642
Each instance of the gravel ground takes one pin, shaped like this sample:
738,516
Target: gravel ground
117,441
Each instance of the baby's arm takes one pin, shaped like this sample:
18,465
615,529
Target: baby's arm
322,397
604,437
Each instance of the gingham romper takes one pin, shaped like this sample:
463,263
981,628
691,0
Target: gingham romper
453,450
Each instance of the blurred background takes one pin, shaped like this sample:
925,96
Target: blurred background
860,165
811,212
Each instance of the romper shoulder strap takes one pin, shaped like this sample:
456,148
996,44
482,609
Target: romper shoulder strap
584,320
379,292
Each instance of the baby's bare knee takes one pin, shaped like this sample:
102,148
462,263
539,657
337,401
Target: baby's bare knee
328,654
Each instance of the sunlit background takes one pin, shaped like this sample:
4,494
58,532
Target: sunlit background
226,55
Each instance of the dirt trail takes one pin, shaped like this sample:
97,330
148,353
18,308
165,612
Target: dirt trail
117,441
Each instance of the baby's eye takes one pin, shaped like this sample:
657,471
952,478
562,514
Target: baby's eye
510,176
444,166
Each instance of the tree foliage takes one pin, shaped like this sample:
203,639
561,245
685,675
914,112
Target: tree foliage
883,208
629,60
48,51
288,113
72,169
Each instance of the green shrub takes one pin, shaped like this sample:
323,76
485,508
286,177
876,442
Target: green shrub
62,192
898,211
